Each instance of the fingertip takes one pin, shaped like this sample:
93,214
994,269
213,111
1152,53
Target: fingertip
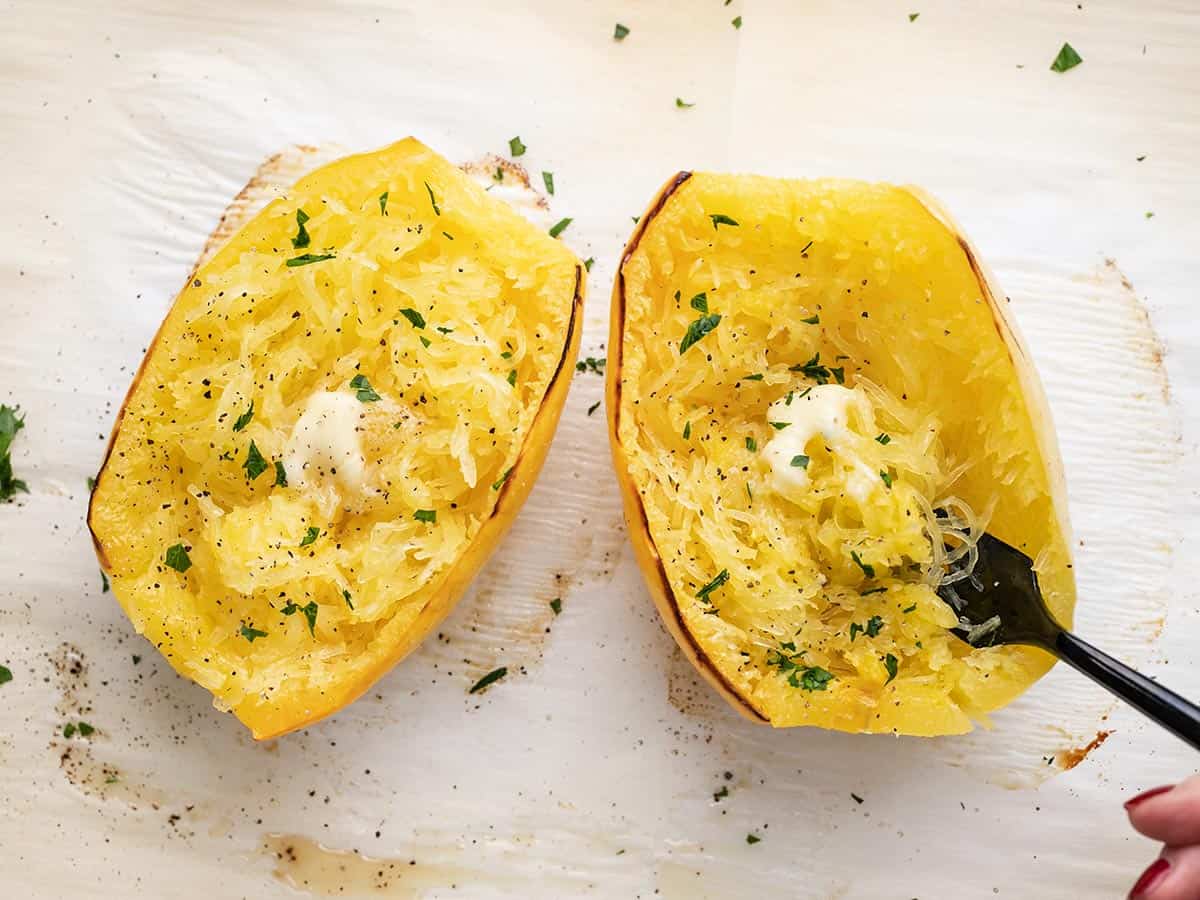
1141,798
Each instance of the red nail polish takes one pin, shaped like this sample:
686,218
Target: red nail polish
1150,878
1153,792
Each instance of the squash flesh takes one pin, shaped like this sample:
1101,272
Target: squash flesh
942,370
461,316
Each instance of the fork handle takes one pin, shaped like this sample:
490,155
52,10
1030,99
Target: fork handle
1164,706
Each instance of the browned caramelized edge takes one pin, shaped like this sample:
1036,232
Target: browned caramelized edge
615,359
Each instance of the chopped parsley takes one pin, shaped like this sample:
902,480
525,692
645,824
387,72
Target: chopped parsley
737,22
680,103
588,263
280,474
592,364
104,585
867,569
700,302
812,678
887,478
254,465
779,426
244,419
346,597
909,609
512,377
1067,59
490,678
10,424
556,605
703,594
757,376
364,391
892,665
310,535
250,633
813,369
301,239
874,590
722,219
839,374
873,627
310,614
5,674
83,729
425,515
559,227
595,406
177,558
687,430
548,181
800,461
752,839
814,319
751,444
883,438
515,147
620,32
697,330
912,17
414,317
721,794
383,198
432,200
307,259
91,483
499,482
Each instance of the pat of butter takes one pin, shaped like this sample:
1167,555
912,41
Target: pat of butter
822,411
325,444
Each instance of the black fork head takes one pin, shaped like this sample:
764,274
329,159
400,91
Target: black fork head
999,602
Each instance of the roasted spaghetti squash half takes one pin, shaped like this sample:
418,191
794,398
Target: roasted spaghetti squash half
340,416
818,402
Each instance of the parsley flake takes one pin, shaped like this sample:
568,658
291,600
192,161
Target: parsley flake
250,633
779,426
814,319
489,679
887,478
1067,59
892,665
751,444
5,675
301,239
752,839
244,419
346,597
588,263
704,592
700,302
280,474
383,198
254,465
800,461
698,329
515,147
737,22
867,569
426,515
364,391
177,558
307,259
512,378
417,320
559,227
499,482
556,605
432,200
883,438
680,103
10,424
592,364
310,535
620,32
912,17
548,181
722,219
687,430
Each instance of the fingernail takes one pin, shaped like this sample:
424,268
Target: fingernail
1153,792
1150,879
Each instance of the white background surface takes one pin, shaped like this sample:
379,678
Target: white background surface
590,771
